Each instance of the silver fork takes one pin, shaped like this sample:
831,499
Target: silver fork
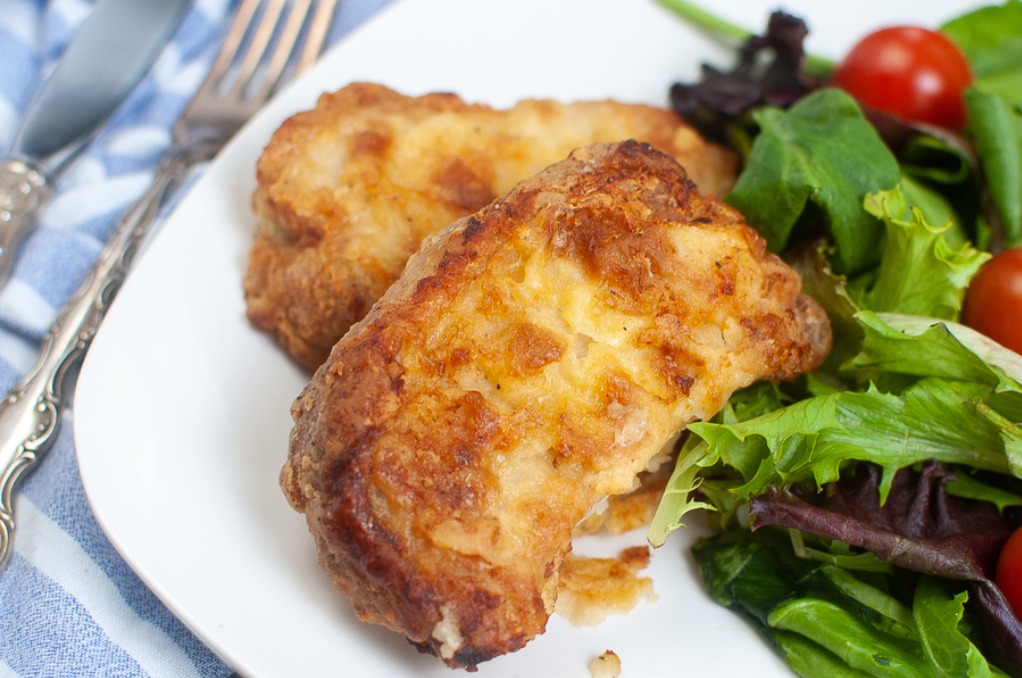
267,43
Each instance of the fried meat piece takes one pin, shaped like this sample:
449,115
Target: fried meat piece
530,361
347,191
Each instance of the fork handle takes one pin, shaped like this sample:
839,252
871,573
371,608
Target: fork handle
23,188
30,416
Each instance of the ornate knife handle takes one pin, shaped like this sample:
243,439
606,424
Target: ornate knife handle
31,414
23,187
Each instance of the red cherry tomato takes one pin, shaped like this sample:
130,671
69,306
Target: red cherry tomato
1009,571
993,301
914,73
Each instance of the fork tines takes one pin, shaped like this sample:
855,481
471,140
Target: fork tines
273,27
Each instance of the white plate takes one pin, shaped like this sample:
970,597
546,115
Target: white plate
182,411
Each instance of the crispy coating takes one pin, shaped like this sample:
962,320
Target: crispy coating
590,589
347,191
530,361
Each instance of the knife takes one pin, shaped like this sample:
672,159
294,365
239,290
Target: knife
111,51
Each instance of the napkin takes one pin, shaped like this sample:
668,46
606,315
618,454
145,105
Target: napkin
69,604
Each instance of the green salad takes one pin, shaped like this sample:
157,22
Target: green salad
863,510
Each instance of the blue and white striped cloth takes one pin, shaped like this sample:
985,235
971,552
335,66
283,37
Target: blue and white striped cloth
69,605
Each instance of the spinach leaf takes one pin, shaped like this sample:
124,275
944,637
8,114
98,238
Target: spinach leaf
996,124
991,38
819,158
831,625
829,622
948,652
922,528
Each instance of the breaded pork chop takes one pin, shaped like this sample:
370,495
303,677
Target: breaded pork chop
347,191
530,361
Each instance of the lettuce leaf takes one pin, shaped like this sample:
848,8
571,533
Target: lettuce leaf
962,405
893,342
698,469
812,439
770,70
921,528
921,272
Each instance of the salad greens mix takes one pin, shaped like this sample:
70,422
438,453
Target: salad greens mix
880,487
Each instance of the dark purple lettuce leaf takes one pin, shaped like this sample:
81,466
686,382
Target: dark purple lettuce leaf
770,70
1002,631
920,528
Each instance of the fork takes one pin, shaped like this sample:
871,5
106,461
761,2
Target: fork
267,43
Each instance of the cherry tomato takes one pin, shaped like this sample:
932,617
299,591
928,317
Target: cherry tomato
1009,571
914,73
993,301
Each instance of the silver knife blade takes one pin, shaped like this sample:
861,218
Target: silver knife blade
114,47
111,51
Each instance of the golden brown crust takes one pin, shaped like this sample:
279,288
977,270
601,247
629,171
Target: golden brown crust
589,589
347,191
530,361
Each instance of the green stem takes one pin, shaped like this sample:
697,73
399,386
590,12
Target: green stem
819,67
733,35
727,32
